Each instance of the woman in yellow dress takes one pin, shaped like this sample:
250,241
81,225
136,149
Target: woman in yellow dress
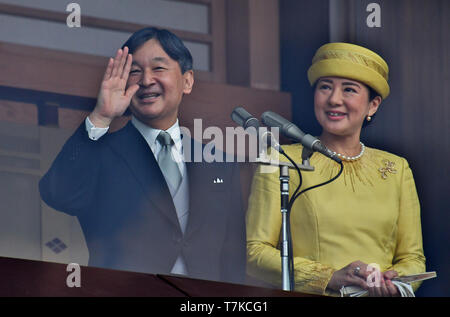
369,215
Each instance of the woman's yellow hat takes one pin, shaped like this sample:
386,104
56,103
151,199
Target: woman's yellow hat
353,62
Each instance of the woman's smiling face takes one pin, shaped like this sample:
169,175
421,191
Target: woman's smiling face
341,105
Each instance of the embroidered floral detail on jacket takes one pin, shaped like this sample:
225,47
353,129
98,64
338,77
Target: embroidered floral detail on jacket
388,167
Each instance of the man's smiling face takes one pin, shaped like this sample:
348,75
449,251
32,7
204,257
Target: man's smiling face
161,85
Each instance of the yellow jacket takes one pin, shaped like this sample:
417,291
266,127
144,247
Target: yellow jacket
370,213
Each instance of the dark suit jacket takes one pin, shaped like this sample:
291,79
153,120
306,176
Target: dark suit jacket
116,189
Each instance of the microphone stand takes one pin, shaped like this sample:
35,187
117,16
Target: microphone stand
306,155
286,247
285,239
245,119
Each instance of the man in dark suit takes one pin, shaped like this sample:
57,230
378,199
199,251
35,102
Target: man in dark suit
140,208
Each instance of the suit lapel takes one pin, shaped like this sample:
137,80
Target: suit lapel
132,147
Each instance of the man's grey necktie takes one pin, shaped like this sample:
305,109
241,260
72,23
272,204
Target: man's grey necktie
166,161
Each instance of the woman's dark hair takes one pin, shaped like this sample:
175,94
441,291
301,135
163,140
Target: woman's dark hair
170,43
372,95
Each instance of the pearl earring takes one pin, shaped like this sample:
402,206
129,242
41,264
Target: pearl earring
369,118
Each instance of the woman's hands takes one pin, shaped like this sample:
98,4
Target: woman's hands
386,287
367,277
349,275
113,99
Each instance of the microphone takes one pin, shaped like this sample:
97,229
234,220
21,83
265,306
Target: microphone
243,118
291,131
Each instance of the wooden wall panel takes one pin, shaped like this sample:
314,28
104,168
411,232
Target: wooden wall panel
51,71
80,75
18,112
70,119
264,44
253,42
215,102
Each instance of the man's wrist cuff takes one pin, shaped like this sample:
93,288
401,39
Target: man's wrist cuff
94,132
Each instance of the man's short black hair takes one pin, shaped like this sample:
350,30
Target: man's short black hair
170,43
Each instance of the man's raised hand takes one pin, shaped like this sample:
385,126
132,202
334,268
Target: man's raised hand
113,98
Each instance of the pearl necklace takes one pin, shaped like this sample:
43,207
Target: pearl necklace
352,158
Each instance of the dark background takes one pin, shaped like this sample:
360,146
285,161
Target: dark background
413,122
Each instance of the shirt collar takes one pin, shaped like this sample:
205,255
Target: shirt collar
150,134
